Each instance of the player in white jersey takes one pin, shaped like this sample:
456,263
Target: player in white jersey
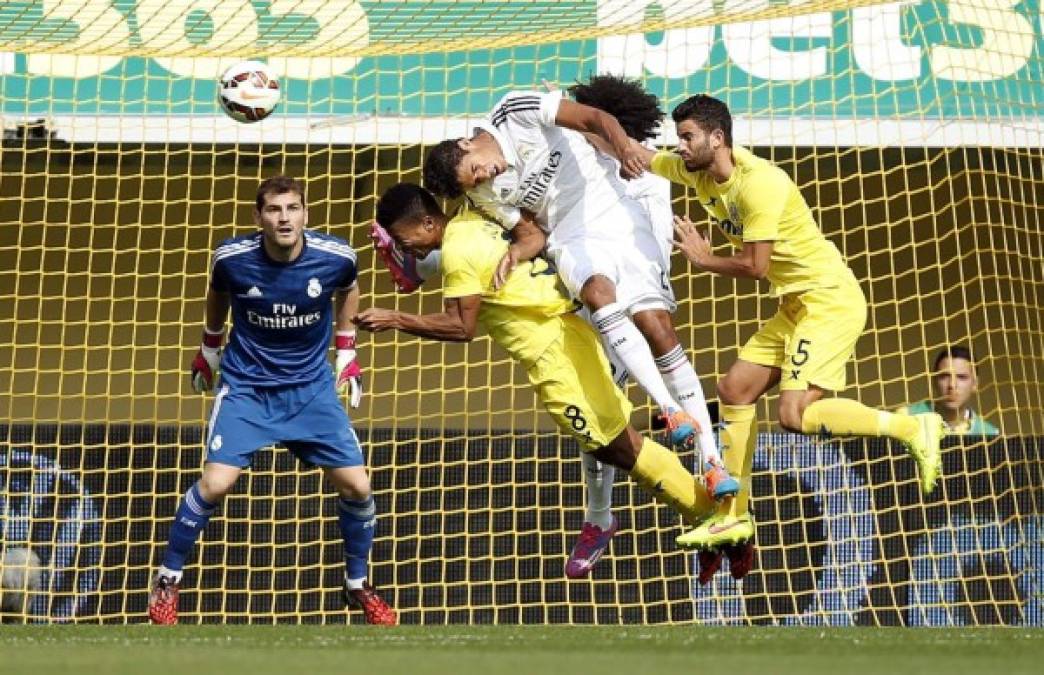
530,168
535,173
640,115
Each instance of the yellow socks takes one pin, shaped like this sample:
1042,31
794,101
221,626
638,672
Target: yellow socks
845,417
659,471
738,439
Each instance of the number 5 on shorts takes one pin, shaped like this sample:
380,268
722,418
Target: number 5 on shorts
802,351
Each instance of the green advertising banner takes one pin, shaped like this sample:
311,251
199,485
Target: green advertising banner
963,61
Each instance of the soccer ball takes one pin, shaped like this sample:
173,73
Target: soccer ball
249,92
21,573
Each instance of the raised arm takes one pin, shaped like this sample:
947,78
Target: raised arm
588,120
644,154
457,323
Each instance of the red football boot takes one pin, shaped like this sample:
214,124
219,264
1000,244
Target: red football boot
163,602
741,558
710,563
377,611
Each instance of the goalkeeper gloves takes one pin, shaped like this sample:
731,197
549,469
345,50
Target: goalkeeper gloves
403,266
208,358
349,373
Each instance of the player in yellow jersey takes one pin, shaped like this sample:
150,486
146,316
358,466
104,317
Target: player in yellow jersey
805,347
532,318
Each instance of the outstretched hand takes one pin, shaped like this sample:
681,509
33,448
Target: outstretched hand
692,243
632,164
376,319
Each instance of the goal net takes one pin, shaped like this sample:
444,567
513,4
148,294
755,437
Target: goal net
912,128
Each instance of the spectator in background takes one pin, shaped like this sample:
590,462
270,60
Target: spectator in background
955,384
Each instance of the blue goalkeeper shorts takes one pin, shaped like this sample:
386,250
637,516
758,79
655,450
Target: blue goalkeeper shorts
309,420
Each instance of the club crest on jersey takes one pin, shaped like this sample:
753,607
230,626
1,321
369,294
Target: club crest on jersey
525,152
315,289
733,225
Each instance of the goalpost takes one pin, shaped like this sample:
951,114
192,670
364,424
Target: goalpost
914,130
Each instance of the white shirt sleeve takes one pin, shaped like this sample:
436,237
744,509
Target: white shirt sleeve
527,108
549,103
505,214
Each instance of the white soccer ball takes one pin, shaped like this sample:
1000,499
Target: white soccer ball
21,573
248,91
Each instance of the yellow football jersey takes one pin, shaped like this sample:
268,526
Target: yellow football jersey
522,316
759,202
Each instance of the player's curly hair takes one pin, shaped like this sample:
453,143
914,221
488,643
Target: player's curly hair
637,110
405,203
440,169
706,111
277,185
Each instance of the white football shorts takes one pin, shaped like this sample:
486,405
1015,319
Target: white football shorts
618,244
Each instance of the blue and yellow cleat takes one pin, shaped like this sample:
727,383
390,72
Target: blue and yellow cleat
681,428
720,530
925,450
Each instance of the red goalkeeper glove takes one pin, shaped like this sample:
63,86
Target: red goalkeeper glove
402,265
208,358
349,372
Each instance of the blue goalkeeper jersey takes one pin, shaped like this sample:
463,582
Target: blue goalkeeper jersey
282,313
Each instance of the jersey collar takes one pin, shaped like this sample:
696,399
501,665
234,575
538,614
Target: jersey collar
505,144
740,158
280,263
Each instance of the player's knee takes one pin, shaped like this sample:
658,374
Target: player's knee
728,393
658,331
597,292
351,483
622,451
790,416
354,493
213,488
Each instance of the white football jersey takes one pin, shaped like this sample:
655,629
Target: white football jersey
552,171
653,193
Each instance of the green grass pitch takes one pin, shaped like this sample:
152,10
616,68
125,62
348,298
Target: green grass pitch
514,650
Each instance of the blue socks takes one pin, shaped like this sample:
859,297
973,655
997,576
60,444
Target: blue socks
358,521
192,516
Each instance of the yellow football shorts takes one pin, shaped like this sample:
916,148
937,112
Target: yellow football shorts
811,338
572,380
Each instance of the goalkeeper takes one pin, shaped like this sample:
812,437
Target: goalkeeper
276,384
533,319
